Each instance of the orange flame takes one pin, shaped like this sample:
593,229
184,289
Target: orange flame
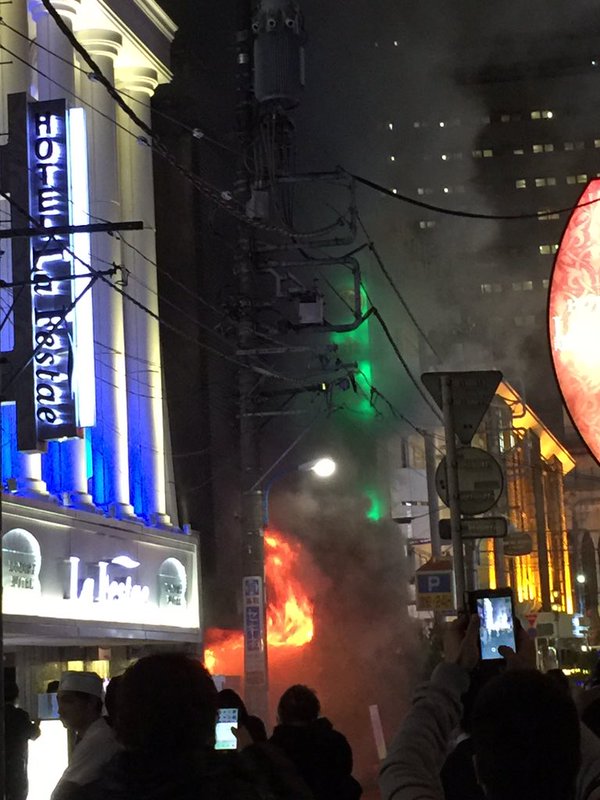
289,611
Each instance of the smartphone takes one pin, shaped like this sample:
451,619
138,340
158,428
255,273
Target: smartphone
224,737
497,622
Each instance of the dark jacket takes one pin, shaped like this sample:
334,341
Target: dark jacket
19,729
322,756
132,776
253,774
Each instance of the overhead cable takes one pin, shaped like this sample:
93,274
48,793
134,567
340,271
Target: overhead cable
454,212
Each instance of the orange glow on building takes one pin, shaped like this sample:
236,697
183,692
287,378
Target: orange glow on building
290,614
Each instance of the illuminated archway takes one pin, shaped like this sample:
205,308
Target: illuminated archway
574,317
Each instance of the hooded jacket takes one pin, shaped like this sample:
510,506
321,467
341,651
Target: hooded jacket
322,757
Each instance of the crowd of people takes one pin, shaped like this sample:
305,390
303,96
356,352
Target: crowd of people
503,734
157,740
471,733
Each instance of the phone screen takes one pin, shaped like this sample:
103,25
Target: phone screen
497,626
226,720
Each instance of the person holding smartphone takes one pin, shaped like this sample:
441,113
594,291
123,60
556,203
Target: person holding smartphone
527,740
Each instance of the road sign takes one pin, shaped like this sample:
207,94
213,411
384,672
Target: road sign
518,543
472,393
435,587
480,480
475,528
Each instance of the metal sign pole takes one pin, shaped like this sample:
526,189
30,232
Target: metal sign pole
453,488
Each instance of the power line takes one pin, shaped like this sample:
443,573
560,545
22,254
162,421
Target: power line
402,360
394,287
453,212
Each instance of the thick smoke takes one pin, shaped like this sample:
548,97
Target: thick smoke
366,649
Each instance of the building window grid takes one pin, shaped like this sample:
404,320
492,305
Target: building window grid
548,249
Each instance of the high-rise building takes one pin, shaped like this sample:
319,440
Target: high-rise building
518,135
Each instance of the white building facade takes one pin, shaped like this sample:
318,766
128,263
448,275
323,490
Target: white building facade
95,568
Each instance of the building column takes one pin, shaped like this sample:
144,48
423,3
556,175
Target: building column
109,435
142,335
59,73
14,74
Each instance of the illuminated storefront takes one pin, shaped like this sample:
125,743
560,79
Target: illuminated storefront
96,569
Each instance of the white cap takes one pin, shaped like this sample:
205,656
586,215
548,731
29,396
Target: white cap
86,682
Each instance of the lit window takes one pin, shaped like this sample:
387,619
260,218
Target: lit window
446,190
392,158
547,115
477,153
570,146
540,182
395,191
426,190
548,148
527,286
536,115
545,283
551,181
416,124
571,179
525,321
426,224
545,214
544,249
395,44
519,151
521,183
596,142
442,124
391,126
444,157
488,153
582,178
486,288
538,148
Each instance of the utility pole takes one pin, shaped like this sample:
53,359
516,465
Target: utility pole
252,557
453,496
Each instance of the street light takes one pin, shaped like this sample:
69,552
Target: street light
580,578
323,468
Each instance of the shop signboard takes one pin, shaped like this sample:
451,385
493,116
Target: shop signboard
59,569
254,630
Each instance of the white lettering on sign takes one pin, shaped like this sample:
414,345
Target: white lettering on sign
105,589
433,583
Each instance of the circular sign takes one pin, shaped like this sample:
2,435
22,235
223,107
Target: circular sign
480,480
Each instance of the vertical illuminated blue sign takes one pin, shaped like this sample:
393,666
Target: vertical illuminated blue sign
51,270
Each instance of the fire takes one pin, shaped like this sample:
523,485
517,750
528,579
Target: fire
289,611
